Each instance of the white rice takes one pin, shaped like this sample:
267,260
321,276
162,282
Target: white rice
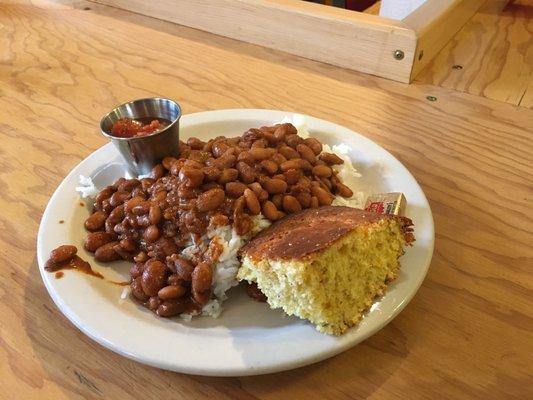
225,269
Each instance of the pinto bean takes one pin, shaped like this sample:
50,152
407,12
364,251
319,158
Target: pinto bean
63,253
270,211
291,204
171,308
107,253
137,290
171,292
274,186
331,159
252,202
202,278
314,145
246,173
210,200
95,240
324,198
153,277
322,171
96,221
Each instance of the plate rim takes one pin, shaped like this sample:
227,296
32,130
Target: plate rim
228,115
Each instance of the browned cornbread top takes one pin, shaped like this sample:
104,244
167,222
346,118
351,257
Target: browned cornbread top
312,230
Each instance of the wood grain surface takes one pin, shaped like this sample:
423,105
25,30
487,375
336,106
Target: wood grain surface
468,333
494,52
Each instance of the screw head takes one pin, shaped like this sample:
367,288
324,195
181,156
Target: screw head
431,98
457,66
399,54
420,55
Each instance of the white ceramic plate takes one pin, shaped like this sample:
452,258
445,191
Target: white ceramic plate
248,338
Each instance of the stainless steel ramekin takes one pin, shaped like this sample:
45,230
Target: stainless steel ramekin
143,153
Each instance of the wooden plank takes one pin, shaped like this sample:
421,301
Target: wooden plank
468,332
344,38
494,52
435,22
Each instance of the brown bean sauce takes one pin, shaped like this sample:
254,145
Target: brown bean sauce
76,263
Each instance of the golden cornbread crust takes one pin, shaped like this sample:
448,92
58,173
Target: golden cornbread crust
327,265
313,230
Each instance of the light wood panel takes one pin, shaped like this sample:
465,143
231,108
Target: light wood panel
435,23
468,332
340,37
495,51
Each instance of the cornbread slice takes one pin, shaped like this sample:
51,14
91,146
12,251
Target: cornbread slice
328,264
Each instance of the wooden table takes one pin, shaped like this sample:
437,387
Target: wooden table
468,333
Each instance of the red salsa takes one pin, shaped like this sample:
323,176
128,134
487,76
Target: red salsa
127,127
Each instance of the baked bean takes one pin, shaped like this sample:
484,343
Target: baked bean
288,152
324,198
154,214
171,308
196,144
184,150
202,278
252,202
271,212
228,175
291,204
292,176
242,223
252,134
210,200
227,160
128,205
107,253
246,157
289,128
199,156
137,290
342,190
128,185
125,255
193,164
235,189
219,148
182,268
331,159
293,140
274,186
141,257
95,240
118,182
153,303
176,167
269,166
326,184
153,277
171,292
117,215
141,208
104,194
212,174
151,234
136,270
106,207
314,145
146,183
157,172
167,162
277,199
208,145
128,244
96,221
278,158
173,279
322,171
304,198
306,153
279,176
259,144
118,198
283,130
260,193
63,253
314,202
191,177
259,154
246,173
297,163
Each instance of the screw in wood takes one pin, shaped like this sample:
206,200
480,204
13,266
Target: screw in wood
457,66
431,98
399,55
